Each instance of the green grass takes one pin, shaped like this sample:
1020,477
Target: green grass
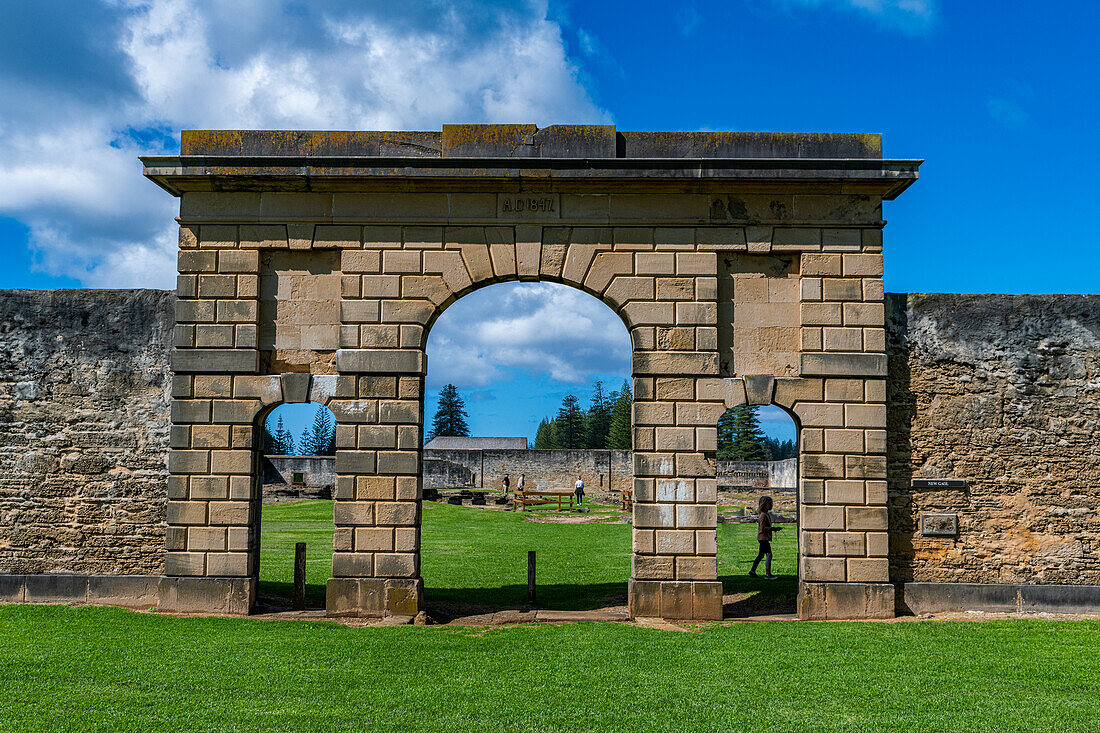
478,557
88,669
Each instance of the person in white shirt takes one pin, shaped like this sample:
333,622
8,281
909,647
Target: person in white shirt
578,489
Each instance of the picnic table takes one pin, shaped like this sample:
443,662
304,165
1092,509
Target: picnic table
627,499
533,497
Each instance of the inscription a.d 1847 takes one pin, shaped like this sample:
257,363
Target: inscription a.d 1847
528,206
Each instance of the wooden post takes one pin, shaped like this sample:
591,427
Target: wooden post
300,576
531,577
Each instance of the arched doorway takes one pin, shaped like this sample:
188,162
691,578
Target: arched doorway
293,486
524,381
757,469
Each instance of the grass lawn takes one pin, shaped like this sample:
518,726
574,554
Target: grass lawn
479,556
85,669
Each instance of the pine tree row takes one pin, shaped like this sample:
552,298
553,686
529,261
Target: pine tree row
317,439
605,424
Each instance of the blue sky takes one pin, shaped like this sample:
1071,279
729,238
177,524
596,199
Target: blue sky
1000,99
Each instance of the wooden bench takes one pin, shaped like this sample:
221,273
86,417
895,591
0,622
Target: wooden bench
627,499
529,497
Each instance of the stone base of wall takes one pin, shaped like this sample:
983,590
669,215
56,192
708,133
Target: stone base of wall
127,591
374,597
831,601
918,598
676,600
232,596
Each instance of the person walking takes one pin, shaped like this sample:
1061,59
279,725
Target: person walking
578,489
506,482
764,531
521,482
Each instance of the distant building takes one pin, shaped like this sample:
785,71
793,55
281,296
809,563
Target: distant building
448,442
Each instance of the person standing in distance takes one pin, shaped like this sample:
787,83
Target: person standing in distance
578,489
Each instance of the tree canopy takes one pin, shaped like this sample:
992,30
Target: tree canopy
605,424
450,415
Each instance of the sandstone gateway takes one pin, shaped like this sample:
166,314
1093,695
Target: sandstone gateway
947,448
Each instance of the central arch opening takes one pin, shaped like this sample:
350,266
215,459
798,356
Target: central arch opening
527,395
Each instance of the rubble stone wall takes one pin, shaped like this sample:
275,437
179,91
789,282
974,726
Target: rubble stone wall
1003,392
84,395
544,469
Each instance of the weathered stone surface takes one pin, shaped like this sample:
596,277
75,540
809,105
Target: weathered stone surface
1002,392
84,393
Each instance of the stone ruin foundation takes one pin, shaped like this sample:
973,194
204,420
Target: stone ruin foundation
947,444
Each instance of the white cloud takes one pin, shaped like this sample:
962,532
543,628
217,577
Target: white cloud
69,137
910,16
537,328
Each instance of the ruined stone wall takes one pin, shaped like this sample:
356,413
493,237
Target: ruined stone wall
1003,392
84,393
544,469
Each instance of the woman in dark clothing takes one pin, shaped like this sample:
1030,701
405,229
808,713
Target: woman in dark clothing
764,531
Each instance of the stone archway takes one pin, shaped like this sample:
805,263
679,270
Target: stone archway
636,219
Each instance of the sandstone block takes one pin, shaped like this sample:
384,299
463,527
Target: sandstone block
398,462
234,411
822,517
843,544
645,541
353,513
352,564
352,462
675,542
675,490
374,488
862,265
227,564
381,286
209,487
655,516
816,265
813,491
699,413
188,461
693,363
820,415
197,261
821,314
395,565
401,262
374,539
200,361
822,465
842,339
868,570
185,512
789,390
402,513
229,512
873,467
843,441
839,491
823,569
702,516
869,518
239,261
231,461
864,314
841,365
696,568
652,567
605,266
386,361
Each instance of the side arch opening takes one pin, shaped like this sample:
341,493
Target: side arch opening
757,461
295,474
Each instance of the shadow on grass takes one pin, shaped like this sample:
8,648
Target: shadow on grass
557,597
274,596
757,596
